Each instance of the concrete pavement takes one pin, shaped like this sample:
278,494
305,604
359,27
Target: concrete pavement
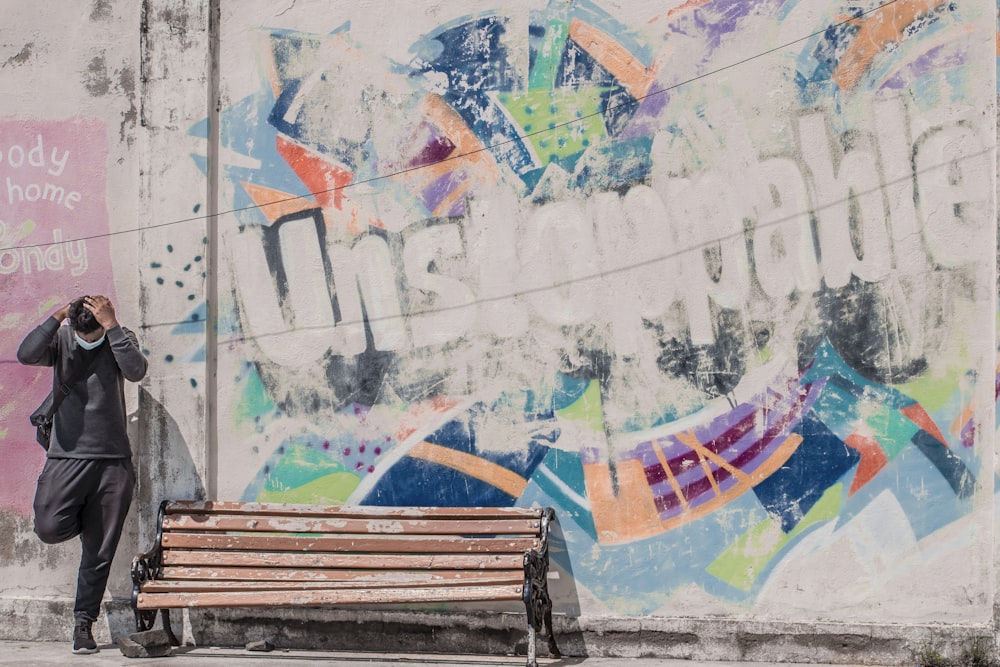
42,654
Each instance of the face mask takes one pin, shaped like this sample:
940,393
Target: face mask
87,345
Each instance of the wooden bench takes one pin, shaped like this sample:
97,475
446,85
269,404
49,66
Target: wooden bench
236,554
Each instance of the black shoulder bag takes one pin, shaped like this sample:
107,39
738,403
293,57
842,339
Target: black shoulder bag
43,415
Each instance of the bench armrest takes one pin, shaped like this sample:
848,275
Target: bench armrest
149,564
535,594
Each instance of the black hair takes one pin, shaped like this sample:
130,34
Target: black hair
82,319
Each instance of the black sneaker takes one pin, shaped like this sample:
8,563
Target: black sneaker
83,637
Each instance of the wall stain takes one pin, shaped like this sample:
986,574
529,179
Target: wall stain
95,78
22,56
126,82
19,546
101,10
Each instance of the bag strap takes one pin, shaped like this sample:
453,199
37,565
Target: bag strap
58,396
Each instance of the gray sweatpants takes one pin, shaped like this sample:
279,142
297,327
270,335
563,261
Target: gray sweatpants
89,498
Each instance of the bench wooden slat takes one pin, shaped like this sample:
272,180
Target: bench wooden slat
300,524
326,597
208,507
381,544
372,561
369,577
248,583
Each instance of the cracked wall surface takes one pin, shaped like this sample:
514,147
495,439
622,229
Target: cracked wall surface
714,280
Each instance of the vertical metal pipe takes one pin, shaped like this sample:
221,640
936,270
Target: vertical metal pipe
212,251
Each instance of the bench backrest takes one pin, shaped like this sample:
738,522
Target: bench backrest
244,554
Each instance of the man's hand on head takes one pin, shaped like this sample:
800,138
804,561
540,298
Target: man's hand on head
62,313
102,309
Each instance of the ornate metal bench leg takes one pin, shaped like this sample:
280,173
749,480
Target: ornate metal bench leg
165,613
532,660
144,619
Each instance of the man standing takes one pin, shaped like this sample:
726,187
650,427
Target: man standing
86,485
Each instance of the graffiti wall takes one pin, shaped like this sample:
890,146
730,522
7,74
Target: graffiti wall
713,279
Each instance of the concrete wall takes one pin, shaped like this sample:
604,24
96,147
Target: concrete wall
716,280
69,148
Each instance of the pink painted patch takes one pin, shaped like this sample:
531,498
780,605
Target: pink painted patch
52,186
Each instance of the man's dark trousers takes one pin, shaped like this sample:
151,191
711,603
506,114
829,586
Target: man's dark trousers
89,498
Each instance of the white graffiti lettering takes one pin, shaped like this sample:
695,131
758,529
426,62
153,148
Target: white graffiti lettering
51,257
868,205
31,191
